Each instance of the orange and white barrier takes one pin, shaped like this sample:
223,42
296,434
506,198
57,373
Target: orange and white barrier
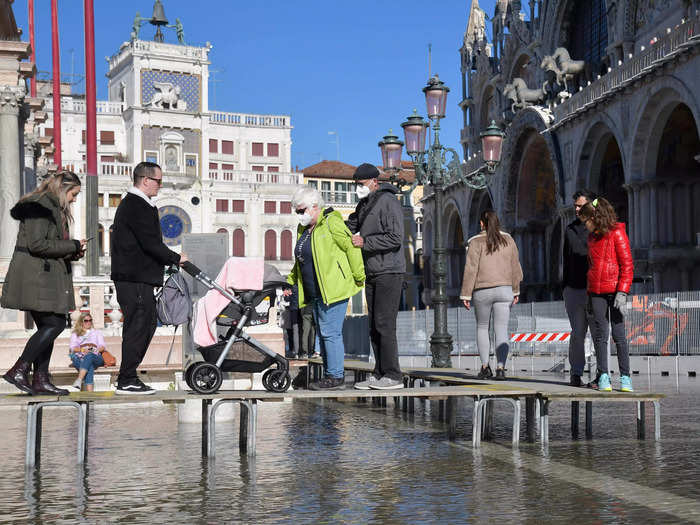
540,337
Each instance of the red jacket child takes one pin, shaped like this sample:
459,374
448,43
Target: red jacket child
611,267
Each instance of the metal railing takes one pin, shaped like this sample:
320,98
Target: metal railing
657,324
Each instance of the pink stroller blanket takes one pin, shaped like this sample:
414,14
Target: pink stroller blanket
238,273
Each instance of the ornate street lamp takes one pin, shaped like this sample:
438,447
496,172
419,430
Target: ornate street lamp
391,147
432,167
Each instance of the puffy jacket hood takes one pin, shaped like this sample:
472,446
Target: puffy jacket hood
35,206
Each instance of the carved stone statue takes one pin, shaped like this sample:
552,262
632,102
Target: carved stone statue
522,96
561,64
167,97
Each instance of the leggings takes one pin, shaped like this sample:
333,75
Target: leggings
497,300
39,347
605,315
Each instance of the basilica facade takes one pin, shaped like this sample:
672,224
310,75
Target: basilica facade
602,94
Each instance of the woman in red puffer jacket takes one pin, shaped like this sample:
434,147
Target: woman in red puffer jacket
610,273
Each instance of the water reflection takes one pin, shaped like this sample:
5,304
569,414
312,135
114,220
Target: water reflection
325,461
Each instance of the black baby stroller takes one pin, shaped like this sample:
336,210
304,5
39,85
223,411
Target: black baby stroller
236,351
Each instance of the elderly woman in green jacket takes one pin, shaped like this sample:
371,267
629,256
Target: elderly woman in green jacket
39,279
328,270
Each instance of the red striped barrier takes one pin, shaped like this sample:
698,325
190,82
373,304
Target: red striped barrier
540,337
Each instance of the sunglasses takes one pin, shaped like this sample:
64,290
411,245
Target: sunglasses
301,211
158,181
87,320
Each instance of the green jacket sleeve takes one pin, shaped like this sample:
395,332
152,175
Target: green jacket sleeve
39,245
343,238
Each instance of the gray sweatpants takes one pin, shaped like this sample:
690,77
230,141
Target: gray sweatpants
497,300
575,301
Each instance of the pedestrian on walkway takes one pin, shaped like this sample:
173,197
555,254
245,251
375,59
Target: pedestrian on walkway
610,274
575,265
491,282
85,351
139,258
40,279
377,225
328,270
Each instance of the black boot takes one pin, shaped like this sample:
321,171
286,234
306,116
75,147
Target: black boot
17,375
42,385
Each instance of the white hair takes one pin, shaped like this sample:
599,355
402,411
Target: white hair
307,196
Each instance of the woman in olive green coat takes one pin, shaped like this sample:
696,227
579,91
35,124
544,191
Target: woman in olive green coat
39,279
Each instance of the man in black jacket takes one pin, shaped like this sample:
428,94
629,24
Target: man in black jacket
575,265
138,260
377,225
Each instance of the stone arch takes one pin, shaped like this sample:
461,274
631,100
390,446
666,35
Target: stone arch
454,249
519,66
488,107
652,116
481,201
526,121
601,165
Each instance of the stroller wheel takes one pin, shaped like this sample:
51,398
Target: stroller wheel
188,375
276,380
206,378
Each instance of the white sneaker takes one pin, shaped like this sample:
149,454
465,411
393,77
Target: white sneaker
366,385
77,386
386,383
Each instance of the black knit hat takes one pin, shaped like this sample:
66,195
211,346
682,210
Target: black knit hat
366,171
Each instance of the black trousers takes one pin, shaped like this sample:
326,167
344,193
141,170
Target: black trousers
39,347
308,331
138,306
383,293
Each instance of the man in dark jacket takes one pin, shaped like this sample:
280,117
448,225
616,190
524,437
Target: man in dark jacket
138,260
377,225
575,265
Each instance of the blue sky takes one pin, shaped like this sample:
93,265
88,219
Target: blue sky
356,68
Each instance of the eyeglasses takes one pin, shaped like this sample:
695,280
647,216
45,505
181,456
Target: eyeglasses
301,211
158,181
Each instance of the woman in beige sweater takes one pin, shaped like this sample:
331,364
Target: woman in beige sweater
491,282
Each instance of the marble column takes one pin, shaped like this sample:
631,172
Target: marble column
653,217
11,99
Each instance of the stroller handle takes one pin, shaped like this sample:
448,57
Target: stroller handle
191,269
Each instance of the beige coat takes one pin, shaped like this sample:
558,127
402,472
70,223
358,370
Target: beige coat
482,270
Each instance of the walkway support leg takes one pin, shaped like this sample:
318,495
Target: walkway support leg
530,418
206,436
589,419
657,420
641,422
452,417
574,419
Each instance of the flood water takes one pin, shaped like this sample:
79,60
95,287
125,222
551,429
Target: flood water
330,462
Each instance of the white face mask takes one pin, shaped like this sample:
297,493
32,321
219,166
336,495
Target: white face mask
304,219
362,191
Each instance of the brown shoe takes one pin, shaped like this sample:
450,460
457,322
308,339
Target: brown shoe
42,385
17,375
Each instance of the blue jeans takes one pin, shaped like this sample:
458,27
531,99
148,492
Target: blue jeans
89,363
329,322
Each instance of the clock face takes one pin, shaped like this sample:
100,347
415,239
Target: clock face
174,221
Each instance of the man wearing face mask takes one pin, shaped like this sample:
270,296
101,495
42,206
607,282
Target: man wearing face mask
377,225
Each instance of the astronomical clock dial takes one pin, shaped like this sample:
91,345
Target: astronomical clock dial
174,221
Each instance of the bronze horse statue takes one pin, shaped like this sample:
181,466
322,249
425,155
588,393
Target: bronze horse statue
561,64
521,95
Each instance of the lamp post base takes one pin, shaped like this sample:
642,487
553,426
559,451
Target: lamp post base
441,348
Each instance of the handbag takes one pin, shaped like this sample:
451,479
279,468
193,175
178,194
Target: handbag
109,359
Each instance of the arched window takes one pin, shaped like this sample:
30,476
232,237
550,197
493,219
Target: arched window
588,33
101,240
238,243
286,248
270,245
223,231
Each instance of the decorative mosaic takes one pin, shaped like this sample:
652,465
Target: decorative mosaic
176,91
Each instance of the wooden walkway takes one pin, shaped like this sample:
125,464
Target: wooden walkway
453,385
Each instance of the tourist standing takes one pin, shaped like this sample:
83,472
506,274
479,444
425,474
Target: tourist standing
85,351
575,265
139,258
610,274
328,270
491,282
377,225
40,279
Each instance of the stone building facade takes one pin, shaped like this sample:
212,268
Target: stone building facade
602,94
